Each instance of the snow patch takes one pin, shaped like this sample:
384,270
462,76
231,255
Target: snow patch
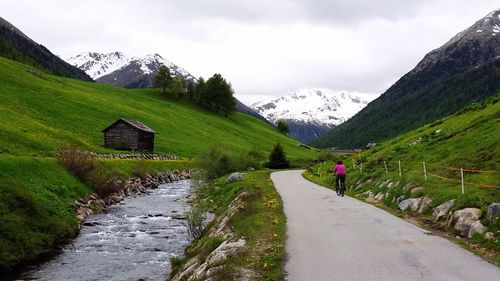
315,105
97,65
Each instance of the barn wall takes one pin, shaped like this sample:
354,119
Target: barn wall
124,136
146,141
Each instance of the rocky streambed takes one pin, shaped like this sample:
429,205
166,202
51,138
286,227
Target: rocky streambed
131,240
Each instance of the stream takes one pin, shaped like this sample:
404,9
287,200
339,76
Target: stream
132,240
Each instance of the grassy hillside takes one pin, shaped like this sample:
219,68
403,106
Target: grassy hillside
40,112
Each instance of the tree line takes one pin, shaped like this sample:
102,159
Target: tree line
215,94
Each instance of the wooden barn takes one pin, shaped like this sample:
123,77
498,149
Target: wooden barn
129,135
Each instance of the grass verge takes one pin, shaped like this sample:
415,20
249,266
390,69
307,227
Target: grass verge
262,224
475,197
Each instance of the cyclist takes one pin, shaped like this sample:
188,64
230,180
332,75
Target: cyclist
339,172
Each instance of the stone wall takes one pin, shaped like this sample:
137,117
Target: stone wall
138,156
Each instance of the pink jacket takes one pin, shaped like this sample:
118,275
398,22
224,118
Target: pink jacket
339,169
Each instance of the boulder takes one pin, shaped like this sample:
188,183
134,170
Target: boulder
463,219
416,190
425,204
412,204
489,235
380,196
225,250
477,227
442,210
234,177
493,211
399,199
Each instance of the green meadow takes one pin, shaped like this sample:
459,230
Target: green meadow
40,113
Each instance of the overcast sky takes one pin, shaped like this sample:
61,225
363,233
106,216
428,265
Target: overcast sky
263,47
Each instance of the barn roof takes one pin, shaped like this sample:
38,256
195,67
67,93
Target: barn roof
134,123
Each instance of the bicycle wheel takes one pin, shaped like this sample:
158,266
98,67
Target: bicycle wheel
339,187
342,189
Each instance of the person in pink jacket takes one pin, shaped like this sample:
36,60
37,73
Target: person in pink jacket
339,172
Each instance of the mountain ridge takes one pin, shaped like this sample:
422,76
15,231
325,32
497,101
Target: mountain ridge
123,70
463,70
310,112
16,45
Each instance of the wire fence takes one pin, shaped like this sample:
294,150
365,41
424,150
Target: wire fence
426,170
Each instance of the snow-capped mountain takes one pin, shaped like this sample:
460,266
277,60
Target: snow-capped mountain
310,112
124,70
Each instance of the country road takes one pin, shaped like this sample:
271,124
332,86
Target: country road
341,238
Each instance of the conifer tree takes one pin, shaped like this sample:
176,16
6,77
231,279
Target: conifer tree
277,158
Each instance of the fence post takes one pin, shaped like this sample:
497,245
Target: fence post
462,176
386,171
399,165
425,171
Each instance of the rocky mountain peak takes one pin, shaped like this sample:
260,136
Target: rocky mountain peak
474,46
311,112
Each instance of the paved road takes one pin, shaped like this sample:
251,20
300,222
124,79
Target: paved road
334,238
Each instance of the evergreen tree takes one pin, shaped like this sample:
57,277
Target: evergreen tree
218,95
163,78
277,158
283,127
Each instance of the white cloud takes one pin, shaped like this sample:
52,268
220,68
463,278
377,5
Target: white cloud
265,48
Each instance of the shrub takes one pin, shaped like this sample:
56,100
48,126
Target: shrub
79,163
195,222
141,169
277,158
104,182
325,156
217,162
254,159
175,262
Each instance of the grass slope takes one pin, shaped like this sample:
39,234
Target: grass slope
40,112
262,224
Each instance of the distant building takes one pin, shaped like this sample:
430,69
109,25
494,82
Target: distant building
371,145
129,135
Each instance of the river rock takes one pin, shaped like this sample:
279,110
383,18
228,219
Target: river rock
442,210
425,204
493,211
411,203
477,227
463,219
234,177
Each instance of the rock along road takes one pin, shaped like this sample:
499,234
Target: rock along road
340,238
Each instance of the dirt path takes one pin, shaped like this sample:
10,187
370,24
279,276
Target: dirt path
334,238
